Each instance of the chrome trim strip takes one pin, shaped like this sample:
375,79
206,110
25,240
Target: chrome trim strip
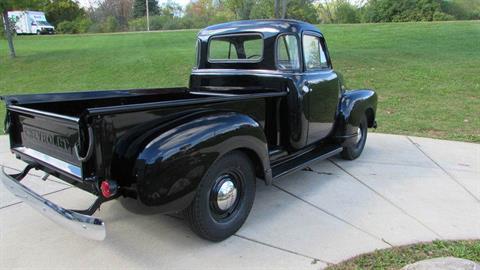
86,226
231,71
42,113
243,72
56,163
211,93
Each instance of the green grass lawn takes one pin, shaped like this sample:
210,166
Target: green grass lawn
427,75
398,257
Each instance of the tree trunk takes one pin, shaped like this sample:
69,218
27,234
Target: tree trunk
276,9
8,33
284,8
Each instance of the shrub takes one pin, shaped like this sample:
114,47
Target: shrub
401,10
138,24
2,30
82,25
65,27
157,22
168,23
441,16
462,9
78,26
173,23
110,25
96,27
346,13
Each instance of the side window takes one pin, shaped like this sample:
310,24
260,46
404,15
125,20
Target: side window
315,57
323,57
287,52
197,53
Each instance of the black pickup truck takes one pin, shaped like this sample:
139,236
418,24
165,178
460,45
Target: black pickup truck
263,101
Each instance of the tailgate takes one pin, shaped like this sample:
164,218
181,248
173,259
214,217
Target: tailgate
46,138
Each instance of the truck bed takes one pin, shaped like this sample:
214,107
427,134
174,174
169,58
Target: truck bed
75,104
46,128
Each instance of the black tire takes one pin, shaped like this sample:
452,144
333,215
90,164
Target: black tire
354,151
204,214
38,33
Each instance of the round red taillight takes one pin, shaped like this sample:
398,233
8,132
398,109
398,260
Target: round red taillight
108,188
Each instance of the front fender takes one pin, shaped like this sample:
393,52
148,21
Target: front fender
171,166
353,106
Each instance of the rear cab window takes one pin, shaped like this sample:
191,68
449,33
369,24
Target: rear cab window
236,48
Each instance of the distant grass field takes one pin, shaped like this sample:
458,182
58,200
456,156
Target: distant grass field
427,75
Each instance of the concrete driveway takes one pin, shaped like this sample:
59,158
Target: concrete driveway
401,190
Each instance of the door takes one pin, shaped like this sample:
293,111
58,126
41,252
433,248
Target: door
322,85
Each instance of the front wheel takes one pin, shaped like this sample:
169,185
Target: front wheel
354,151
224,198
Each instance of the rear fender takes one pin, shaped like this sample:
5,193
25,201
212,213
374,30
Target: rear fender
353,106
170,167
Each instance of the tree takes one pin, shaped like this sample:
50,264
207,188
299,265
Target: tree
401,10
8,33
241,8
280,4
170,9
120,10
263,9
326,11
462,9
201,12
5,6
140,8
276,8
292,9
346,12
58,11
338,11
303,10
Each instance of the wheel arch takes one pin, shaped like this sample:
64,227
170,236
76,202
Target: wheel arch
260,167
370,113
169,169
352,107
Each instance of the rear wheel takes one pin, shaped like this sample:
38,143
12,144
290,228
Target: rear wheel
224,198
354,151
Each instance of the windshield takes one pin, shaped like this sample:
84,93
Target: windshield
43,23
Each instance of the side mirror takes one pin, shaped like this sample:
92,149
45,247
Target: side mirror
34,24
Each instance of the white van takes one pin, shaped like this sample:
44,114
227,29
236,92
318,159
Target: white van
30,22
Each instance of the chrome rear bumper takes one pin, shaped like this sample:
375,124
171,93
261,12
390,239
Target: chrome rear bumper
84,225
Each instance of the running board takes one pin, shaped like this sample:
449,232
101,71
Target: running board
302,161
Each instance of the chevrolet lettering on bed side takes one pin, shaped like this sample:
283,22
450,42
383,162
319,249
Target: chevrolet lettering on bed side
46,137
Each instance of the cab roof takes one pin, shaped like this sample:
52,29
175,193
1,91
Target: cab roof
266,27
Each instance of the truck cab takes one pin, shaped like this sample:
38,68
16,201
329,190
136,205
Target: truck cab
263,101
279,55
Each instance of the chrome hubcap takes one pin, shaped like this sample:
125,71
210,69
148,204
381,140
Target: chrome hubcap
227,195
359,135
